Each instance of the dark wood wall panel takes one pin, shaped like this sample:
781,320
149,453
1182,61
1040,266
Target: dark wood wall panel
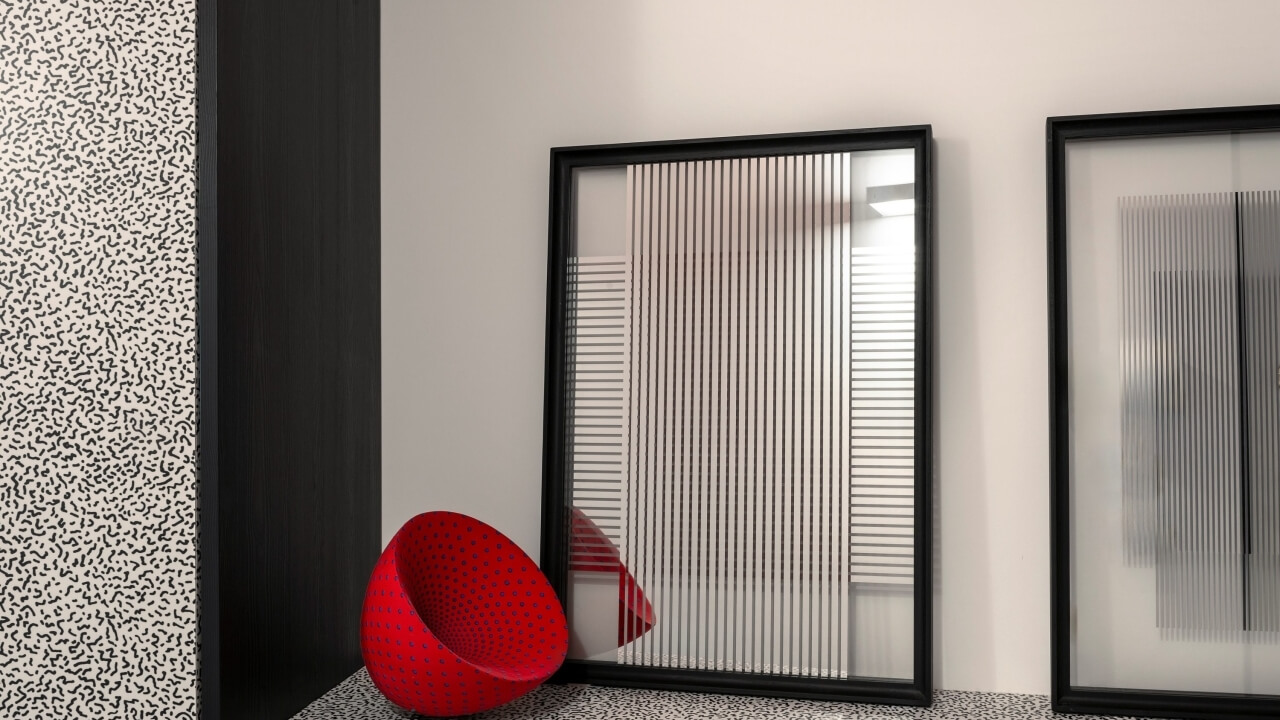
299,510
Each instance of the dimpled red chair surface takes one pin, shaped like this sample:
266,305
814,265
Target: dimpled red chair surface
457,619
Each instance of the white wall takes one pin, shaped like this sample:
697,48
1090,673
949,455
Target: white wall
474,93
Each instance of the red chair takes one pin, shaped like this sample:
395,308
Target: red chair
457,619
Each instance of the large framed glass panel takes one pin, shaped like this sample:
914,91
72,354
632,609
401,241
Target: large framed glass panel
1165,352
737,453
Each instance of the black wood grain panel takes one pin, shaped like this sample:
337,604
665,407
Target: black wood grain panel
298,415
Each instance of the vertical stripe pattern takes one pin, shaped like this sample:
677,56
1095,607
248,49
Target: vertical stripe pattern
740,413
1200,285
1259,228
1180,450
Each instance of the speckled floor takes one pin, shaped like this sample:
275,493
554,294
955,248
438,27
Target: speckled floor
357,699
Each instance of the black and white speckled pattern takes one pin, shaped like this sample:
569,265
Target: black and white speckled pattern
357,699
98,533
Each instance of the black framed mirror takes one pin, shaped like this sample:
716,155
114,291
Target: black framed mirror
737,414
1164,284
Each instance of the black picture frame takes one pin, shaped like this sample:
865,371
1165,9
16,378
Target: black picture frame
1061,131
555,515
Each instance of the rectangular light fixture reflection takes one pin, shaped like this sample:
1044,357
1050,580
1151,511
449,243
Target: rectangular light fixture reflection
890,200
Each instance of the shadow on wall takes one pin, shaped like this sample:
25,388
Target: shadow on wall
957,386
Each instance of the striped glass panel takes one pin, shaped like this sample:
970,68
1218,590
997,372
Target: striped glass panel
741,399
1173,390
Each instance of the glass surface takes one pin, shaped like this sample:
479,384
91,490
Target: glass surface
740,395
1173,292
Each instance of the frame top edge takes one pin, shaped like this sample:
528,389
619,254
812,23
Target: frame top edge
1243,118
782,140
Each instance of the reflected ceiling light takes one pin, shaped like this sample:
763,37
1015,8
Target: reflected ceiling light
889,200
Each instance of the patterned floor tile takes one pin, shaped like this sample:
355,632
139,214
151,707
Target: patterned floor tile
357,699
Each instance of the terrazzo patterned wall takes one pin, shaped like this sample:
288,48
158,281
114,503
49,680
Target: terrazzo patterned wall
98,533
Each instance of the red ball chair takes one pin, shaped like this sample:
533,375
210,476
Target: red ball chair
457,619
